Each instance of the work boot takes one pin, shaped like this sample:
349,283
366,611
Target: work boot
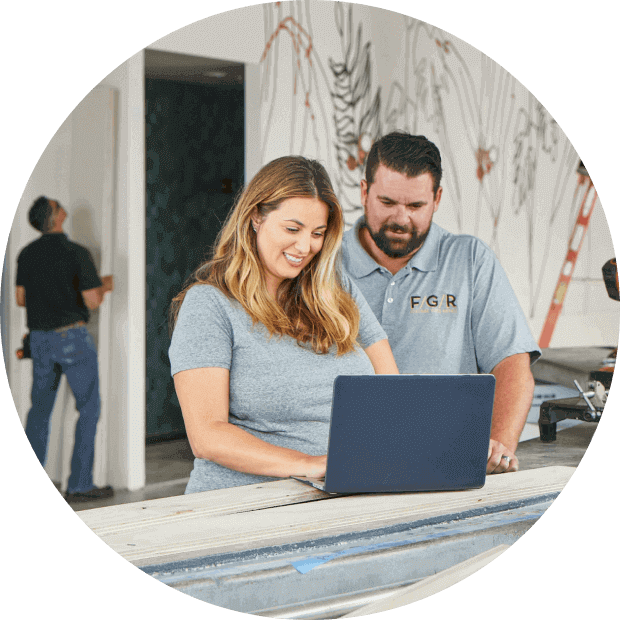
92,494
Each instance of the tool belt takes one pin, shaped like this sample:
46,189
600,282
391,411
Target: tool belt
24,353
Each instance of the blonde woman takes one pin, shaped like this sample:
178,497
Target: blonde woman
265,327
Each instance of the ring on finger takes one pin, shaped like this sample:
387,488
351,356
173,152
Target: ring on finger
507,459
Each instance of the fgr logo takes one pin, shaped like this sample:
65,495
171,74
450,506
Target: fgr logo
433,303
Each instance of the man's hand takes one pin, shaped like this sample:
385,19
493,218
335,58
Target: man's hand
93,297
108,284
497,463
20,296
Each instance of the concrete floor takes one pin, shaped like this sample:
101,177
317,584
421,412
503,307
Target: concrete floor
168,464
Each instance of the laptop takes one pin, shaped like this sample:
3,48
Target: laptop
403,433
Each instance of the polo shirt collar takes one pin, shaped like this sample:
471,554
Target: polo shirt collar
427,257
361,264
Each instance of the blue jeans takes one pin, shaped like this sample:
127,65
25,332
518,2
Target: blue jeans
72,352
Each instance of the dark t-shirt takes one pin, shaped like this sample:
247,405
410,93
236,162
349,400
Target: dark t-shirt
54,271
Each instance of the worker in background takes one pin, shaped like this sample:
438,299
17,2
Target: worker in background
443,299
57,283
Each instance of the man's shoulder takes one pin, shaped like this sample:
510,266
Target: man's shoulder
32,251
52,243
350,236
33,245
76,247
463,241
78,252
356,261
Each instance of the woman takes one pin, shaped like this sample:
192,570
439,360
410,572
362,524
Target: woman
263,330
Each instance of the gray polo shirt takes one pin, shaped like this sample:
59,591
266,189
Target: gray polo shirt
280,392
450,310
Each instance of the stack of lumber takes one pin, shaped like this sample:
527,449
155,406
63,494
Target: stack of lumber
288,512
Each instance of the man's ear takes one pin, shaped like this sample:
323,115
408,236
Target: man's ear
364,191
437,198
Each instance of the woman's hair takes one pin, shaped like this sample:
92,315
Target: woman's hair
313,307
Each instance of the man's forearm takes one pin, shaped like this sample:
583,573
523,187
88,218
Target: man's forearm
514,390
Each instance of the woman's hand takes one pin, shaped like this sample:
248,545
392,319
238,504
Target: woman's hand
313,467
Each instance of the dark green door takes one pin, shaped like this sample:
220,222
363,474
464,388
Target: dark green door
194,167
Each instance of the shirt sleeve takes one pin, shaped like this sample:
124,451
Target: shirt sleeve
203,334
21,278
370,330
87,272
499,326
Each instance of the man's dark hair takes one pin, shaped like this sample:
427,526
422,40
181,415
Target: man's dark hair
41,214
406,154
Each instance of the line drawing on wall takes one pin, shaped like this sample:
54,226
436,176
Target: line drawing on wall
356,110
495,138
306,67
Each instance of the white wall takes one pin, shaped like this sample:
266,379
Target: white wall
427,81
295,114
51,177
122,463
72,169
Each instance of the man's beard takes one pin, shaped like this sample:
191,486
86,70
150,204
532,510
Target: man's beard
395,248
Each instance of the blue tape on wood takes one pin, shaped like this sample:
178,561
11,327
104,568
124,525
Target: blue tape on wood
307,564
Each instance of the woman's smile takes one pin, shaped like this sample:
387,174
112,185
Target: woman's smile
293,259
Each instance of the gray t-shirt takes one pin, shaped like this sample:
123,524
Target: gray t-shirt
280,392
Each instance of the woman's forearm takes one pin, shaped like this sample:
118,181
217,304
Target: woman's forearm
382,358
232,447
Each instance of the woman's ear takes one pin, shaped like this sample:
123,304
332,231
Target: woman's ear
255,222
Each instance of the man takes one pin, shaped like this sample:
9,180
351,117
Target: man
443,299
58,284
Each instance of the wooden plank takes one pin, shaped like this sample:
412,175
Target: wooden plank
137,515
185,535
430,585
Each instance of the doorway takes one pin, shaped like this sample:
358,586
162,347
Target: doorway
194,121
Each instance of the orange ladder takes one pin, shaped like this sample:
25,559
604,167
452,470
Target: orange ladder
574,245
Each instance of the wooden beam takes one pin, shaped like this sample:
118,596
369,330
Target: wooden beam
149,513
251,517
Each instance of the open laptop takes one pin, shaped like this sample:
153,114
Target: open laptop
392,433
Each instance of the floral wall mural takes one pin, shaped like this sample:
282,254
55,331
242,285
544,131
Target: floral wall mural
336,76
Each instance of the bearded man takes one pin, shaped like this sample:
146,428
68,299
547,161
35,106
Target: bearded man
443,299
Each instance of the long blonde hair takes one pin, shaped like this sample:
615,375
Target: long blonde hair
313,307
